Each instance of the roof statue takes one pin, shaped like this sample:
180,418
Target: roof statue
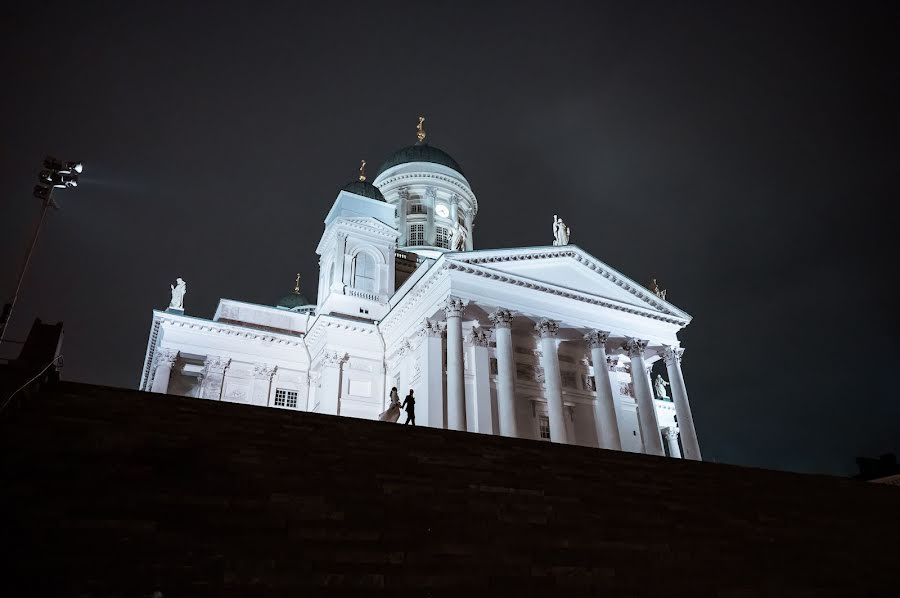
362,174
420,130
178,292
560,231
297,280
661,293
661,388
458,240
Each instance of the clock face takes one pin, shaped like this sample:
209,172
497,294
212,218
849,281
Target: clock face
442,210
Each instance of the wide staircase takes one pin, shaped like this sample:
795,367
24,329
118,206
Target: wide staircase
112,492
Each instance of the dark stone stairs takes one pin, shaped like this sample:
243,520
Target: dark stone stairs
113,492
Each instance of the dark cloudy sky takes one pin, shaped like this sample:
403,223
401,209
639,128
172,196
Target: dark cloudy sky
745,154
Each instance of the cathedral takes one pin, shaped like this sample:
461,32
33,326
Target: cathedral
547,343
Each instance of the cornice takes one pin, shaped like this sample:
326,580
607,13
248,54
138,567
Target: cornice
196,324
469,268
400,178
580,256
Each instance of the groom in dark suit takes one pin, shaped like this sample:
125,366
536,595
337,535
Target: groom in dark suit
409,403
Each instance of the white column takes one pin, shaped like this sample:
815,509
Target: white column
330,387
165,360
430,204
456,400
605,412
682,407
470,244
262,384
428,377
644,396
481,369
213,375
672,441
552,380
506,372
402,209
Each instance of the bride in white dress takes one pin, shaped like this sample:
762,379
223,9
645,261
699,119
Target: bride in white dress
393,411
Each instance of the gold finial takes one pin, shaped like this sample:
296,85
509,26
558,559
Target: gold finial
297,285
420,129
362,170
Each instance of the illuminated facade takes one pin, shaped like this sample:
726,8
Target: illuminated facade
534,342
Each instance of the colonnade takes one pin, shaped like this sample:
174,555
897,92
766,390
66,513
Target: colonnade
606,407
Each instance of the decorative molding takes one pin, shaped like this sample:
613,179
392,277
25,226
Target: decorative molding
333,359
547,328
166,357
501,318
190,323
454,307
635,347
596,339
479,337
215,365
672,355
263,371
463,190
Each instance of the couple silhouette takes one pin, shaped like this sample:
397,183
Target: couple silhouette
393,411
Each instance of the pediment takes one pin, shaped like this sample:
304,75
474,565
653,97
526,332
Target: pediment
572,269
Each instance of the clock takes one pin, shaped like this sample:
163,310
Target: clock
442,211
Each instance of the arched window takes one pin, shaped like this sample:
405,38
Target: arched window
364,272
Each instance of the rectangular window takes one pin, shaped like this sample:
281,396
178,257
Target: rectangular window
568,378
442,237
544,427
286,398
416,208
416,234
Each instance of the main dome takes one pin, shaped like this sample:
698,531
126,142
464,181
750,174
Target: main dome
420,152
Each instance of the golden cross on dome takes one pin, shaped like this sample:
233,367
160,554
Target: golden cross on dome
362,170
420,129
297,284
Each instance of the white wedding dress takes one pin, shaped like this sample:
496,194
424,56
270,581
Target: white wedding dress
393,412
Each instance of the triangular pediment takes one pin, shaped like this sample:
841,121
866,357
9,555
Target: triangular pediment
572,269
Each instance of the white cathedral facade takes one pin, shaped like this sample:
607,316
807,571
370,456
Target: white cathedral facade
547,343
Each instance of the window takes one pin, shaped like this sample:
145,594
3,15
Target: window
416,234
364,272
442,237
568,378
285,398
416,208
544,427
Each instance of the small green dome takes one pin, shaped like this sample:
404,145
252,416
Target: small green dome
420,152
293,300
364,188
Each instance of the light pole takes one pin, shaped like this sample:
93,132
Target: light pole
55,175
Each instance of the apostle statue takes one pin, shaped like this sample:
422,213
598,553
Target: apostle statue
560,231
458,240
654,286
178,291
661,388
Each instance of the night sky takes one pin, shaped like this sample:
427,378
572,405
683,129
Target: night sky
746,156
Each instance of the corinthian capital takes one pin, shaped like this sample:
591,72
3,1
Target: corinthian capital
547,328
672,355
263,371
454,307
166,357
333,358
596,339
501,318
479,337
635,347
215,364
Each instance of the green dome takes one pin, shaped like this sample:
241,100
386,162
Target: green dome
364,188
293,300
420,152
